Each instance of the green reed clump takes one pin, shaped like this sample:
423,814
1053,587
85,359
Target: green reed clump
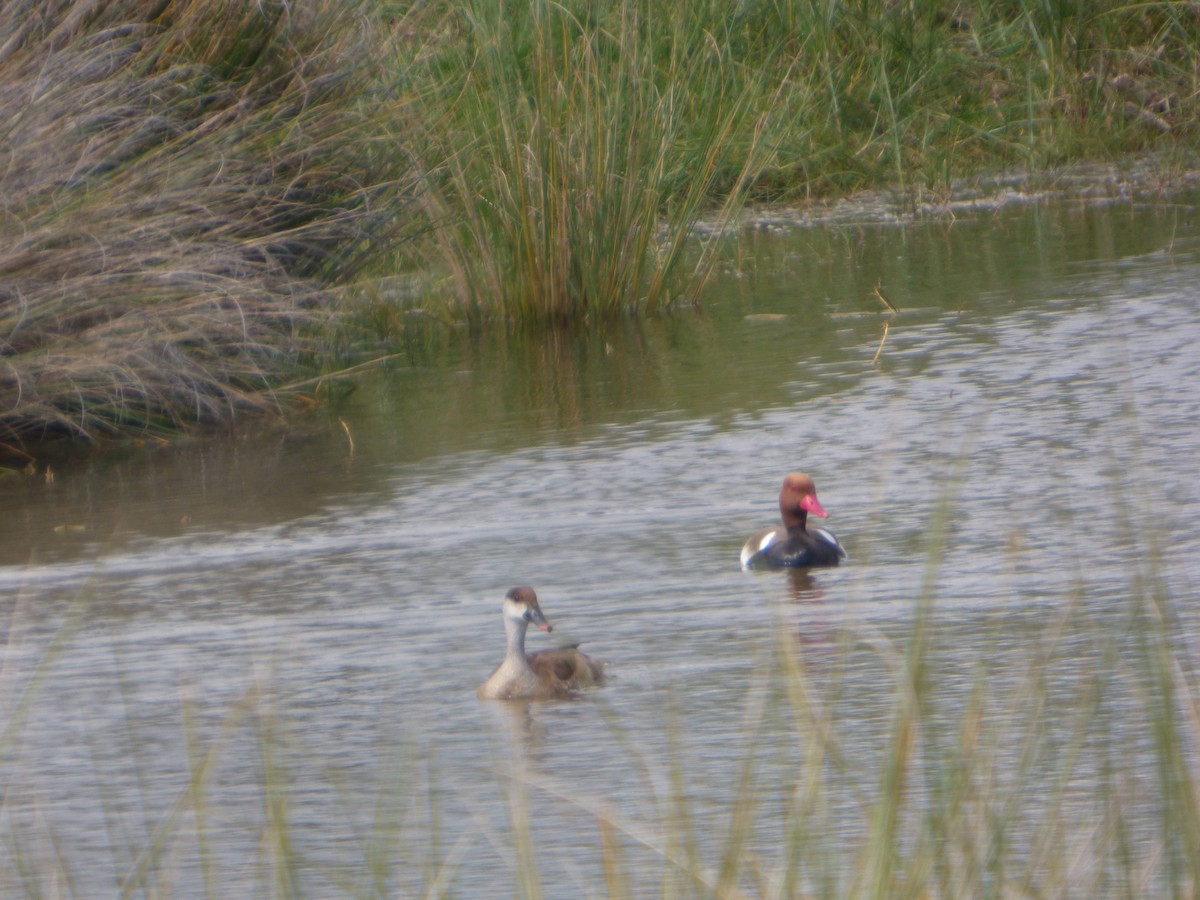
917,95
573,147
577,159
184,185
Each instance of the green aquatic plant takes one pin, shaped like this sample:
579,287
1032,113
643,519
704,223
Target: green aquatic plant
578,162
583,158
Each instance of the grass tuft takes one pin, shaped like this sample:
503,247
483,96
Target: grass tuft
577,163
184,185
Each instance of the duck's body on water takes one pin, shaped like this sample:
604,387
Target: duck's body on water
791,544
544,675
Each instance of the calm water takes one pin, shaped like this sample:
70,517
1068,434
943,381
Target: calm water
313,609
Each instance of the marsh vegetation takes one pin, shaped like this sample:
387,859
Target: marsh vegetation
205,202
248,667
210,680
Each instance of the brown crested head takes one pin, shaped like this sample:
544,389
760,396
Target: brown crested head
524,603
798,498
523,594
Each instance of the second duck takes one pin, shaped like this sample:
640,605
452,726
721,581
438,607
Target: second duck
792,544
544,675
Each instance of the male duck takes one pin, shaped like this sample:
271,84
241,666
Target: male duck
545,675
793,545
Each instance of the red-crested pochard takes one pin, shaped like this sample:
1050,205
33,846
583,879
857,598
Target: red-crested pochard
792,544
544,675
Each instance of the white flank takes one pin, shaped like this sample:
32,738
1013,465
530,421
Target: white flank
748,552
829,539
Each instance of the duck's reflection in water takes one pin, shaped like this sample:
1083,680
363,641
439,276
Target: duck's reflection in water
803,587
523,732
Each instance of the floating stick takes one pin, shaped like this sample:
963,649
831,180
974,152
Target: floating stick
884,300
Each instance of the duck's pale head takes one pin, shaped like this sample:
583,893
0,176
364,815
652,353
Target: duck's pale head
521,607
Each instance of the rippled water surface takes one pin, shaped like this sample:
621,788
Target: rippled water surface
299,619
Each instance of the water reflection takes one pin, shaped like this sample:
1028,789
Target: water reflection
525,732
501,391
802,585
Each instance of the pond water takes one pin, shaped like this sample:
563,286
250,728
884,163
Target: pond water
247,666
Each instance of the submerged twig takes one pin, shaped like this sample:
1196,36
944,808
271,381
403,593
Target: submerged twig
886,322
882,340
317,379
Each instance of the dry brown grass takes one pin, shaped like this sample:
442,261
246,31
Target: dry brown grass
183,186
